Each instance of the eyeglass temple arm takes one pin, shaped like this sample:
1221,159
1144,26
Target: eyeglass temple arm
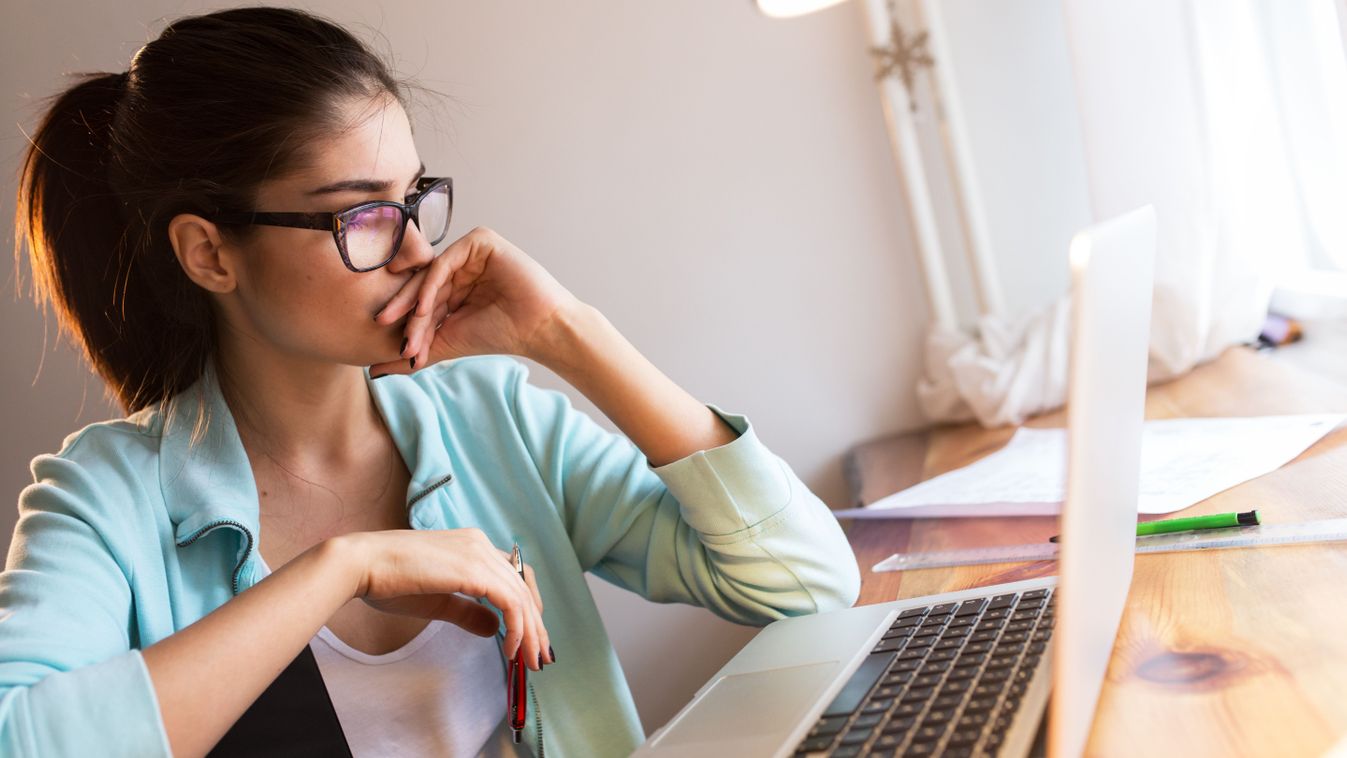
292,220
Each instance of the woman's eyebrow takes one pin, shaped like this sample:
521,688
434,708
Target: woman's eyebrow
362,185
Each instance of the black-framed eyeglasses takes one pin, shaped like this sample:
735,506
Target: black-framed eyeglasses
369,235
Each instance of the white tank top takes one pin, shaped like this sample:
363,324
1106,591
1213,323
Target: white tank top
443,693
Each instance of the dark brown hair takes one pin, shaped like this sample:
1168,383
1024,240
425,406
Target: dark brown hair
206,112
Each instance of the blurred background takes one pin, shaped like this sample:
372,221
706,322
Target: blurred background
835,223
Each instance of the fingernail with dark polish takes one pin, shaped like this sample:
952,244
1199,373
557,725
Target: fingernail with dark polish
413,361
540,660
551,654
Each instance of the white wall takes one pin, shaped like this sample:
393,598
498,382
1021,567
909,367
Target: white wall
718,183
1012,68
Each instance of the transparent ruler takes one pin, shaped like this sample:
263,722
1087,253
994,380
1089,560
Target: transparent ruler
1327,530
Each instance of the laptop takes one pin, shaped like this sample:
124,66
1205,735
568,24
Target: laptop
969,673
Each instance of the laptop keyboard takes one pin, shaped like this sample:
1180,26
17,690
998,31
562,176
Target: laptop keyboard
945,680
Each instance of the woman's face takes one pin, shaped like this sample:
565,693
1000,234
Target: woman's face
294,292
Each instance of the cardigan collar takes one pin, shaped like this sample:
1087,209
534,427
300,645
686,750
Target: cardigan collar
210,483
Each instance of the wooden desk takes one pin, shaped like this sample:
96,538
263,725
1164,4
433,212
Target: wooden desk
1233,652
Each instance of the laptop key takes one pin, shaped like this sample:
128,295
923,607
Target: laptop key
899,724
940,656
889,742
971,607
814,744
929,733
997,675
860,684
1031,594
828,726
846,751
974,720
964,737
1002,601
897,678
909,709
990,689
938,718
857,736
910,612
926,680
955,688
942,610
889,646
962,672
877,706
939,661
869,720
946,702
902,631
907,622
918,695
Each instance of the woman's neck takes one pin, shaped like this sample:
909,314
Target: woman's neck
306,413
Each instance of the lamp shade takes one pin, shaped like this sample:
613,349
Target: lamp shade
788,8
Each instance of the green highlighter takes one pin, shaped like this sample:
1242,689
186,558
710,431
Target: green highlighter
1193,523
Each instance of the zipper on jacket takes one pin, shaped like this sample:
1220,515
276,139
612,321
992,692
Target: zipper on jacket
422,494
212,526
537,719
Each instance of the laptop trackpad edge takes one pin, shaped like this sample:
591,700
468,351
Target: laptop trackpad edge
765,704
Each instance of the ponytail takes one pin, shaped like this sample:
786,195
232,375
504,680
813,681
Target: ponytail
87,250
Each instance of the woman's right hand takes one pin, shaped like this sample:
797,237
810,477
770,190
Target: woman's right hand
426,574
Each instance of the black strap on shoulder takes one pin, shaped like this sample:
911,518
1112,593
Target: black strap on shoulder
293,717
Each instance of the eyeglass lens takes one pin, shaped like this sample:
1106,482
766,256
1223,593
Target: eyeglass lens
372,234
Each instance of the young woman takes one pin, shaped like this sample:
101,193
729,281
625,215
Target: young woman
299,540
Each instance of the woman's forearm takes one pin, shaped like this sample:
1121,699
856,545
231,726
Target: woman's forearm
206,675
660,417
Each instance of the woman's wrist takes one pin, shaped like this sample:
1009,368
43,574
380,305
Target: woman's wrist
558,342
345,556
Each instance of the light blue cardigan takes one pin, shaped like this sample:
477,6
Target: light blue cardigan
130,533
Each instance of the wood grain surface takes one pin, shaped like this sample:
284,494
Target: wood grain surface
1222,653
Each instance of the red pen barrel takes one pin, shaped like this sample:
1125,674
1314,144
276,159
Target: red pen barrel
517,703
518,694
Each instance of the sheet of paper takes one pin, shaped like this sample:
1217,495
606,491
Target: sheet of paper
1183,461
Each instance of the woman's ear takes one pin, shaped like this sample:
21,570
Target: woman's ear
200,250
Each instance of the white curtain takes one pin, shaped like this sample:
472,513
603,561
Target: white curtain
1228,116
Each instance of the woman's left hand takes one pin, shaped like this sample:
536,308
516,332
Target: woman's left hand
481,296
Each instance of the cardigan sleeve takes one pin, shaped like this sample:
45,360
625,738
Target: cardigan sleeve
732,528
70,682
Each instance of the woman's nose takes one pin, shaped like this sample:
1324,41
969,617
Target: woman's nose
415,251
